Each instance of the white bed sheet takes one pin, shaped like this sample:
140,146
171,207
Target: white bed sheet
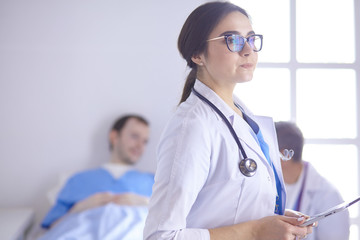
108,222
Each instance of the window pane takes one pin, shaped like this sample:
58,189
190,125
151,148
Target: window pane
325,31
275,38
268,93
338,164
354,232
326,103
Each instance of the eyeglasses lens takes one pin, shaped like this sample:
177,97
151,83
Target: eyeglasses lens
255,43
236,42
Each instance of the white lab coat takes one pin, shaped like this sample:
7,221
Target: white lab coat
318,196
198,184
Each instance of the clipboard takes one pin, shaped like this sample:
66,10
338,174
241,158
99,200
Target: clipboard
329,212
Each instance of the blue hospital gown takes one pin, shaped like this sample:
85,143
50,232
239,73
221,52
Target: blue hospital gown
87,183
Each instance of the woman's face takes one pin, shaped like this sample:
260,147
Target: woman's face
219,65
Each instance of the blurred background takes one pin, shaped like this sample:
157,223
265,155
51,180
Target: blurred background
69,68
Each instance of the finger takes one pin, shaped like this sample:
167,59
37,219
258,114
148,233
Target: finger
293,227
297,214
299,231
309,229
292,213
293,220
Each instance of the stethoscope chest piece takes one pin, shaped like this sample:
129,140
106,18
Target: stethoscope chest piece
248,167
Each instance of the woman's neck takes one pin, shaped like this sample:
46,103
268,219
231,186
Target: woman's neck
225,92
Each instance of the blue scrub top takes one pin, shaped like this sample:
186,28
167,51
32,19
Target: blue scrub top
87,183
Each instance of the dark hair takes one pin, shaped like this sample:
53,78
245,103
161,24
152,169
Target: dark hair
120,123
290,137
195,32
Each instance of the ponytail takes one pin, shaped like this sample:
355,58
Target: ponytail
189,84
196,30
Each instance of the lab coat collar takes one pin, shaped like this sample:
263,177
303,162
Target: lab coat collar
214,99
236,121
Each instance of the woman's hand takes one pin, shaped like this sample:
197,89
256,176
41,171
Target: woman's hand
282,227
293,213
268,228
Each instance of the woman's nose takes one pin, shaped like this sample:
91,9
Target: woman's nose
246,51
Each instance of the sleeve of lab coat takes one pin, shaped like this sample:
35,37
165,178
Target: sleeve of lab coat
183,164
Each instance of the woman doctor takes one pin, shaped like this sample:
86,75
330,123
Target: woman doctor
218,173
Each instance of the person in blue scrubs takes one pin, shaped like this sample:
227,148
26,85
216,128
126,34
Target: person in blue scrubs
115,182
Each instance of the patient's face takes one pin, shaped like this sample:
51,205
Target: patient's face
131,141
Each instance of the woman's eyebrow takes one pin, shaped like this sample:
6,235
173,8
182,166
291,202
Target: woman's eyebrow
235,32
229,33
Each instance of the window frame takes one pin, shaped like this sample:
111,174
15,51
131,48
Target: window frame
293,65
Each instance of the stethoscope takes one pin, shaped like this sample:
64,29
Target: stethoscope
247,166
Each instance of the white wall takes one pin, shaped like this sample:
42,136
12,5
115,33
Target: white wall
67,69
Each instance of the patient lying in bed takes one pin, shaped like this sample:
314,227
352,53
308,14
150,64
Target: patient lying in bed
108,202
95,205
108,222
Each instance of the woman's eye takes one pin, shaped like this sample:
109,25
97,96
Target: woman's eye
230,40
251,39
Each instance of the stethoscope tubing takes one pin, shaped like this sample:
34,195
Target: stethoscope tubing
228,124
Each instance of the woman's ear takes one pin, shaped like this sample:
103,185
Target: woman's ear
197,59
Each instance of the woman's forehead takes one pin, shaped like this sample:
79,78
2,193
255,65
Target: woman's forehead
234,22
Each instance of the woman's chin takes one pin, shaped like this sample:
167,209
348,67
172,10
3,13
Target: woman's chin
244,79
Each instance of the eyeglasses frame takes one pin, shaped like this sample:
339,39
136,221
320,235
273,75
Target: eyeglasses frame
246,40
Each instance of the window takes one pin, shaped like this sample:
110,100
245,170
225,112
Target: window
309,73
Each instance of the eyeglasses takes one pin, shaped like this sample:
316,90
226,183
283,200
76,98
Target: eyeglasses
236,43
287,155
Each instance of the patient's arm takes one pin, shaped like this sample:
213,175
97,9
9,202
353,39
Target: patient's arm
100,199
103,198
96,200
130,199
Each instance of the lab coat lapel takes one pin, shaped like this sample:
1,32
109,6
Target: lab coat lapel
245,136
267,128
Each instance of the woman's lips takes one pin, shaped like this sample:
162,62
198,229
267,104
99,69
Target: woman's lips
247,65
